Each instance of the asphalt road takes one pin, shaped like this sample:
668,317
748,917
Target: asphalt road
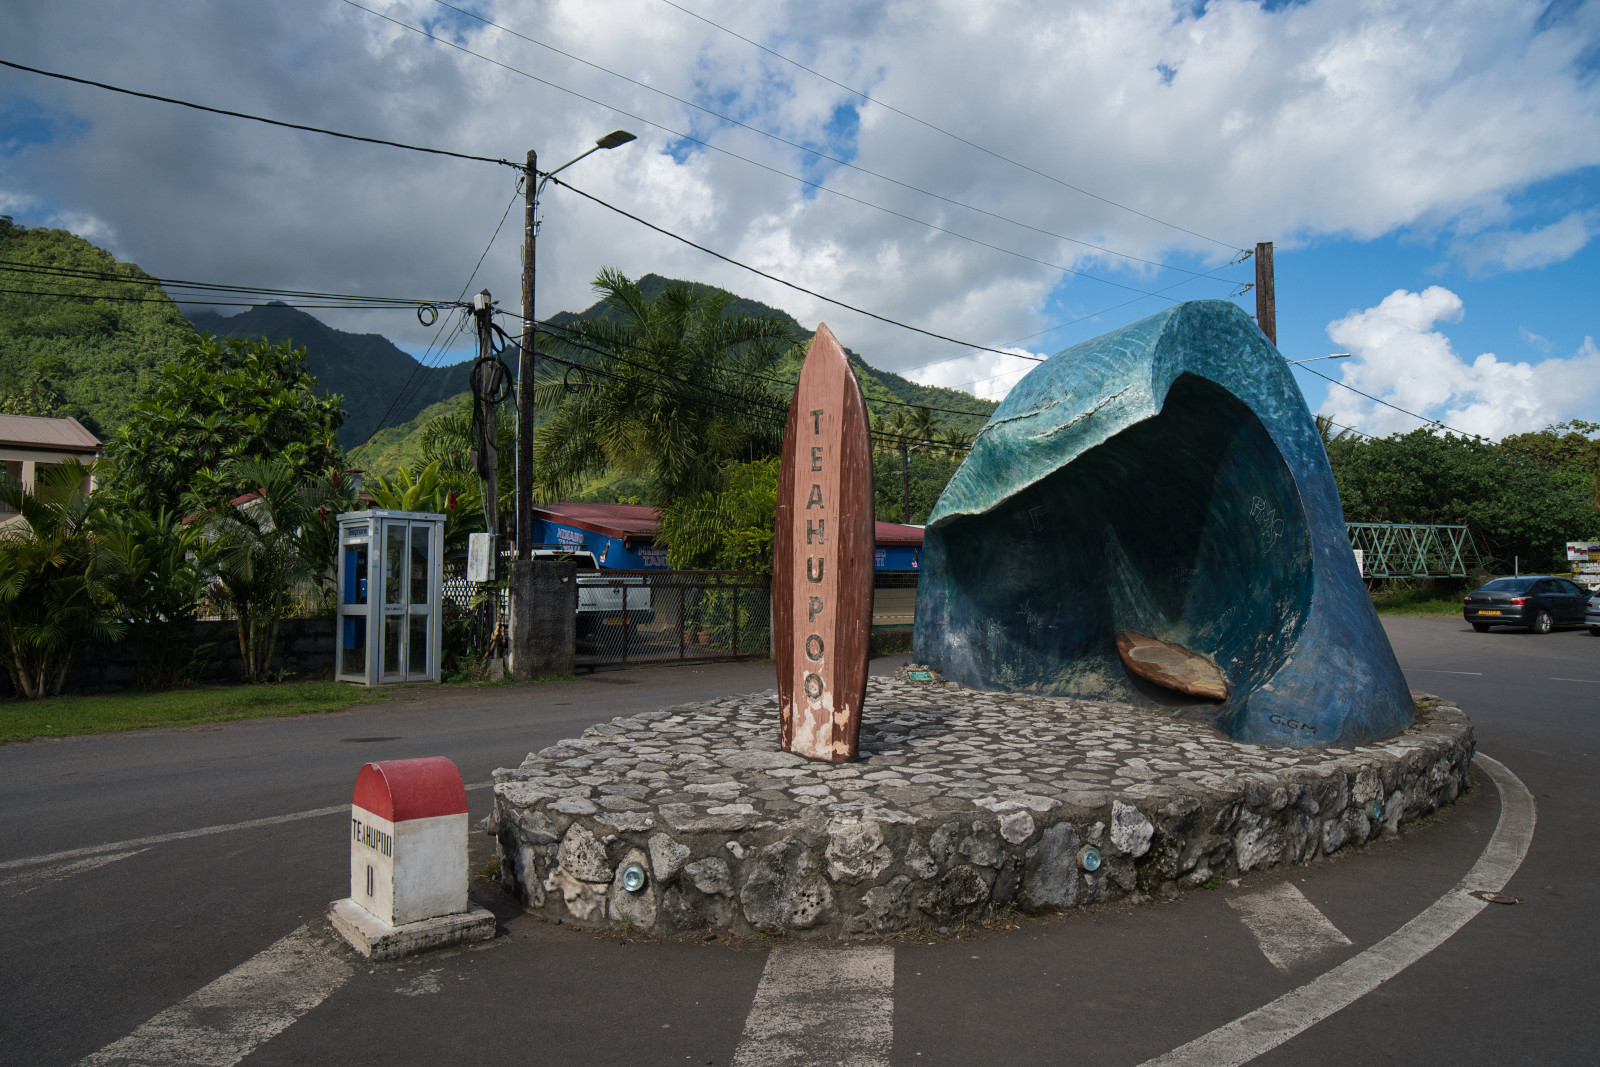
98,944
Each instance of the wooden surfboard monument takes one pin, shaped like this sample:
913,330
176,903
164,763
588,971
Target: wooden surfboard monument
823,558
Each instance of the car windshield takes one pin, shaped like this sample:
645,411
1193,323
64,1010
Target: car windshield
1507,585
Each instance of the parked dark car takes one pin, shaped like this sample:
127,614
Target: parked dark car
1539,602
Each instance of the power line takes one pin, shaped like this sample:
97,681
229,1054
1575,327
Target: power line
515,192
259,118
774,409
947,133
812,151
770,277
89,274
566,331
164,299
422,31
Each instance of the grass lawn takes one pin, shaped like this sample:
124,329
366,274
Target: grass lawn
21,720
1414,602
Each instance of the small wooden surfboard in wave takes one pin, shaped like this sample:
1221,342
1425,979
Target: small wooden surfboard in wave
823,558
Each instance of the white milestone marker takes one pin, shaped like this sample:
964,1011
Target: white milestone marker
408,861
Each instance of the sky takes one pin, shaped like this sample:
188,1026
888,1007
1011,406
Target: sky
1017,176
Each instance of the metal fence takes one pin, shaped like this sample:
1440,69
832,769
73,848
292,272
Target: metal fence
1406,550
628,618
473,615
634,617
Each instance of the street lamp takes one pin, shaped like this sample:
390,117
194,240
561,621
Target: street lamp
532,186
1313,359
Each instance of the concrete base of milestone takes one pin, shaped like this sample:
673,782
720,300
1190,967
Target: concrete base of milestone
963,802
377,940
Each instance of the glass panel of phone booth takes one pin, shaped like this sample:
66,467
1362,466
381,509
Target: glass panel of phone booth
421,602
353,623
394,598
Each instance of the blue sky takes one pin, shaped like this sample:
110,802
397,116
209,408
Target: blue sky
1427,171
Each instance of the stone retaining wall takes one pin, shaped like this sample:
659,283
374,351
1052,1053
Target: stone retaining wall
305,646
962,802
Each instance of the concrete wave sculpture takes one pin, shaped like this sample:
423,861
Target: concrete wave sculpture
1150,518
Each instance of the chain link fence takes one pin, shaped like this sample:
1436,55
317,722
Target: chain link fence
634,617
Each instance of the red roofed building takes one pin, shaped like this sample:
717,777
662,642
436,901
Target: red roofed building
29,442
623,536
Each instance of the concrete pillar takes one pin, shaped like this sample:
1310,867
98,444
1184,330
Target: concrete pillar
542,636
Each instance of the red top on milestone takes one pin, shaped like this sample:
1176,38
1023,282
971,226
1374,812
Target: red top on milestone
404,789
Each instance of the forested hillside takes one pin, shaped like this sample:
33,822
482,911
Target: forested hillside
366,369
89,348
85,348
397,443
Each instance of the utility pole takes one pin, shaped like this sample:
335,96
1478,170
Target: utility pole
526,364
1266,292
488,452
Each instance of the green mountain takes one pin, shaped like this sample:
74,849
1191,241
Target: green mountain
398,445
71,345
89,347
373,377
875,384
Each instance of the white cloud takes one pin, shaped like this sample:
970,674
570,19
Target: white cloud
1401,357
1341,117
1505,250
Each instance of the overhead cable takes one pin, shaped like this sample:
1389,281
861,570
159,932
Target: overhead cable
424,32
548,325
818,153
954,136
771,277
260,118
423,362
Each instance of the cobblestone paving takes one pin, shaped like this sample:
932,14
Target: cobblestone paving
962,801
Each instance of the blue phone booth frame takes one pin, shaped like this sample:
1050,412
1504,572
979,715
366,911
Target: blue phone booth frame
391,569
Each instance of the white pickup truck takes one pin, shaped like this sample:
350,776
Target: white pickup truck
601,595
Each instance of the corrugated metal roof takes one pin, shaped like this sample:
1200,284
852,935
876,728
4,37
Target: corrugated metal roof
638,522
629,521
47,434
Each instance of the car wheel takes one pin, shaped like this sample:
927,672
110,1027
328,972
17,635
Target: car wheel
1542,623
1481,627
1594,631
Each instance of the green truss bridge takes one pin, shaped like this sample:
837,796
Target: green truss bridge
1409,550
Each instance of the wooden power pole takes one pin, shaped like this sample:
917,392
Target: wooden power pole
1266,293
486,444
525,364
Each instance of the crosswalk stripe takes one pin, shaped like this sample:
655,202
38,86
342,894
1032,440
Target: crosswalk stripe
1298,1010
28,881
184,835
1286,925
221,1024
819,1005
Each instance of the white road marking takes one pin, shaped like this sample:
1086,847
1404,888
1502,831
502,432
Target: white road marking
820,1005
183,835
1430,670
1272,1024
32,880
221,1024
1287,926
1585,681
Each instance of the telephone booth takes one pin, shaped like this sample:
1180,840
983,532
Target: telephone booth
391,565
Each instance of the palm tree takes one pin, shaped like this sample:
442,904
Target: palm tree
913,430
54,594
264,552
672,387
1325,431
